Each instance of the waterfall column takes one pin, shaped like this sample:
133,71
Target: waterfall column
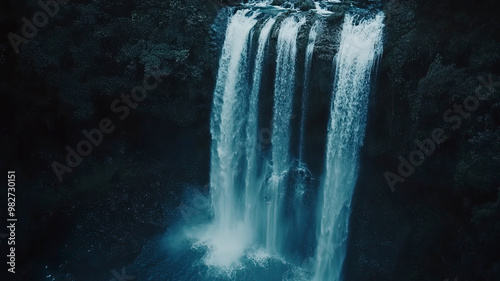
227,238
360,47
284,89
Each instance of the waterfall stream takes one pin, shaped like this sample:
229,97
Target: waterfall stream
284,89
228,147
254,205
313,34
256,195
360,47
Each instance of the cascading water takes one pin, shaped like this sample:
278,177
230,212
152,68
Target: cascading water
227,236
254,205
313,34
360,47
284,88
302,176
257,195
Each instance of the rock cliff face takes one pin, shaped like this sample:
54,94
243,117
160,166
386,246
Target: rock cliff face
439,223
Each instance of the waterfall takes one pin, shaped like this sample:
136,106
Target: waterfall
228,236
247,193
284,89
360,47
254,205
257,196
299,213
313,33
